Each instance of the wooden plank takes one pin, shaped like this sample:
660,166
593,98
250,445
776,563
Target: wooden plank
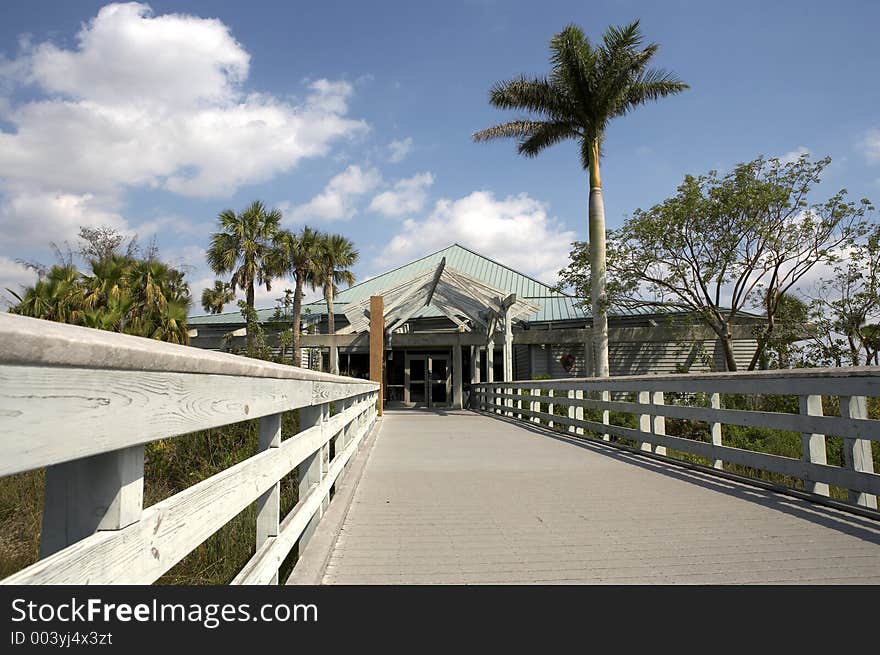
823,473
813,444
715,428
377,346
857,452
92,404
860,428
269,504
170,529
644,420
269,557
658,421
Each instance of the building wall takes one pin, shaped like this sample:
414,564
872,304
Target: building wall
641,358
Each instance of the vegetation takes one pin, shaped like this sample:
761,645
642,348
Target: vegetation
723,244
336,255
588,87
215,298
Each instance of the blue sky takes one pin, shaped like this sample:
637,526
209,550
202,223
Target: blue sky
356,117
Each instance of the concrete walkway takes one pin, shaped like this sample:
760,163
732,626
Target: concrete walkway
455,497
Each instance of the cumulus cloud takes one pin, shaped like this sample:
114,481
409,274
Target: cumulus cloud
336,201
871,145
793,155
407,196
516,231
398,149
151,102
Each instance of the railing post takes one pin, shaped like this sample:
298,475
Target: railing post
659,422
550,423
310,470
715,428
606,414
341,440
519,403
644,397
269,504
812,444
83,496
570,427
857,452
535,405
579,412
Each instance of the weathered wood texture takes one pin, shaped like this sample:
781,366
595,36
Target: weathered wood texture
651,410
83,403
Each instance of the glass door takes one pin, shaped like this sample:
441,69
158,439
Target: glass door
416,379
438,372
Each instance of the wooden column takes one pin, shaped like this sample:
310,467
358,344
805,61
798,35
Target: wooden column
269,504
377,345
457,390
310,470
813,445
83,496
857,452
715,427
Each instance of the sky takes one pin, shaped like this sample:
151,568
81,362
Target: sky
356,118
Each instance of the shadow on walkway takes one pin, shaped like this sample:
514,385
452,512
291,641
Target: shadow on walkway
852,524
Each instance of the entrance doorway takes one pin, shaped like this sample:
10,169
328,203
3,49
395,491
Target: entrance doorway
427,381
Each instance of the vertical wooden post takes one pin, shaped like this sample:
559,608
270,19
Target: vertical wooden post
550,408
472,376
490,360
857,452
377,346
334,359
659,423
535,405
310,468
269,504
579,411
715,427
644,419
606,414
83,496
813,445
571,409
457,374
519,403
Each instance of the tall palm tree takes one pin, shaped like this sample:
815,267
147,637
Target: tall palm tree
59,296
213,299
296,255
243,248
336,256
588,86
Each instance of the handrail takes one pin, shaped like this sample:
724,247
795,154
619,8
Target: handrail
84,402
648,399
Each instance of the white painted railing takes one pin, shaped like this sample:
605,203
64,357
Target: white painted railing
698,398
84,402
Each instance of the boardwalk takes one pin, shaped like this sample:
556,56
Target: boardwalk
455,497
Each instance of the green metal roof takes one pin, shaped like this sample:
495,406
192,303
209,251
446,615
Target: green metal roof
555,306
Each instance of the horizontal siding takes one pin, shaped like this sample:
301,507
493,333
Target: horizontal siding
639,358
521,363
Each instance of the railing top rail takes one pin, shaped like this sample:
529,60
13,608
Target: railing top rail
871,372
29,341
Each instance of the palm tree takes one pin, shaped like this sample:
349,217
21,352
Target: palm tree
296,255
589,85
336,256
244,248
59,296
215,298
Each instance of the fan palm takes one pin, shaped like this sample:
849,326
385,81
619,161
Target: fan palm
213,299
588,86
336,256
296,254
243,248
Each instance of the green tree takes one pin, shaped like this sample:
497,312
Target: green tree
244,249
216,297
589,86
723,244
296,255
336,255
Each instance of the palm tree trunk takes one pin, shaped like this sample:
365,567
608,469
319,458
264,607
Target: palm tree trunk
297,310
250,303
597,266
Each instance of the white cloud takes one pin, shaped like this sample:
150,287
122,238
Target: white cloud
515,231
31,216
793,155
399,149
13,276
336,201
407,196
871,145
152,102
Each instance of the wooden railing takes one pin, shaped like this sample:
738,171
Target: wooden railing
640,406
83,403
